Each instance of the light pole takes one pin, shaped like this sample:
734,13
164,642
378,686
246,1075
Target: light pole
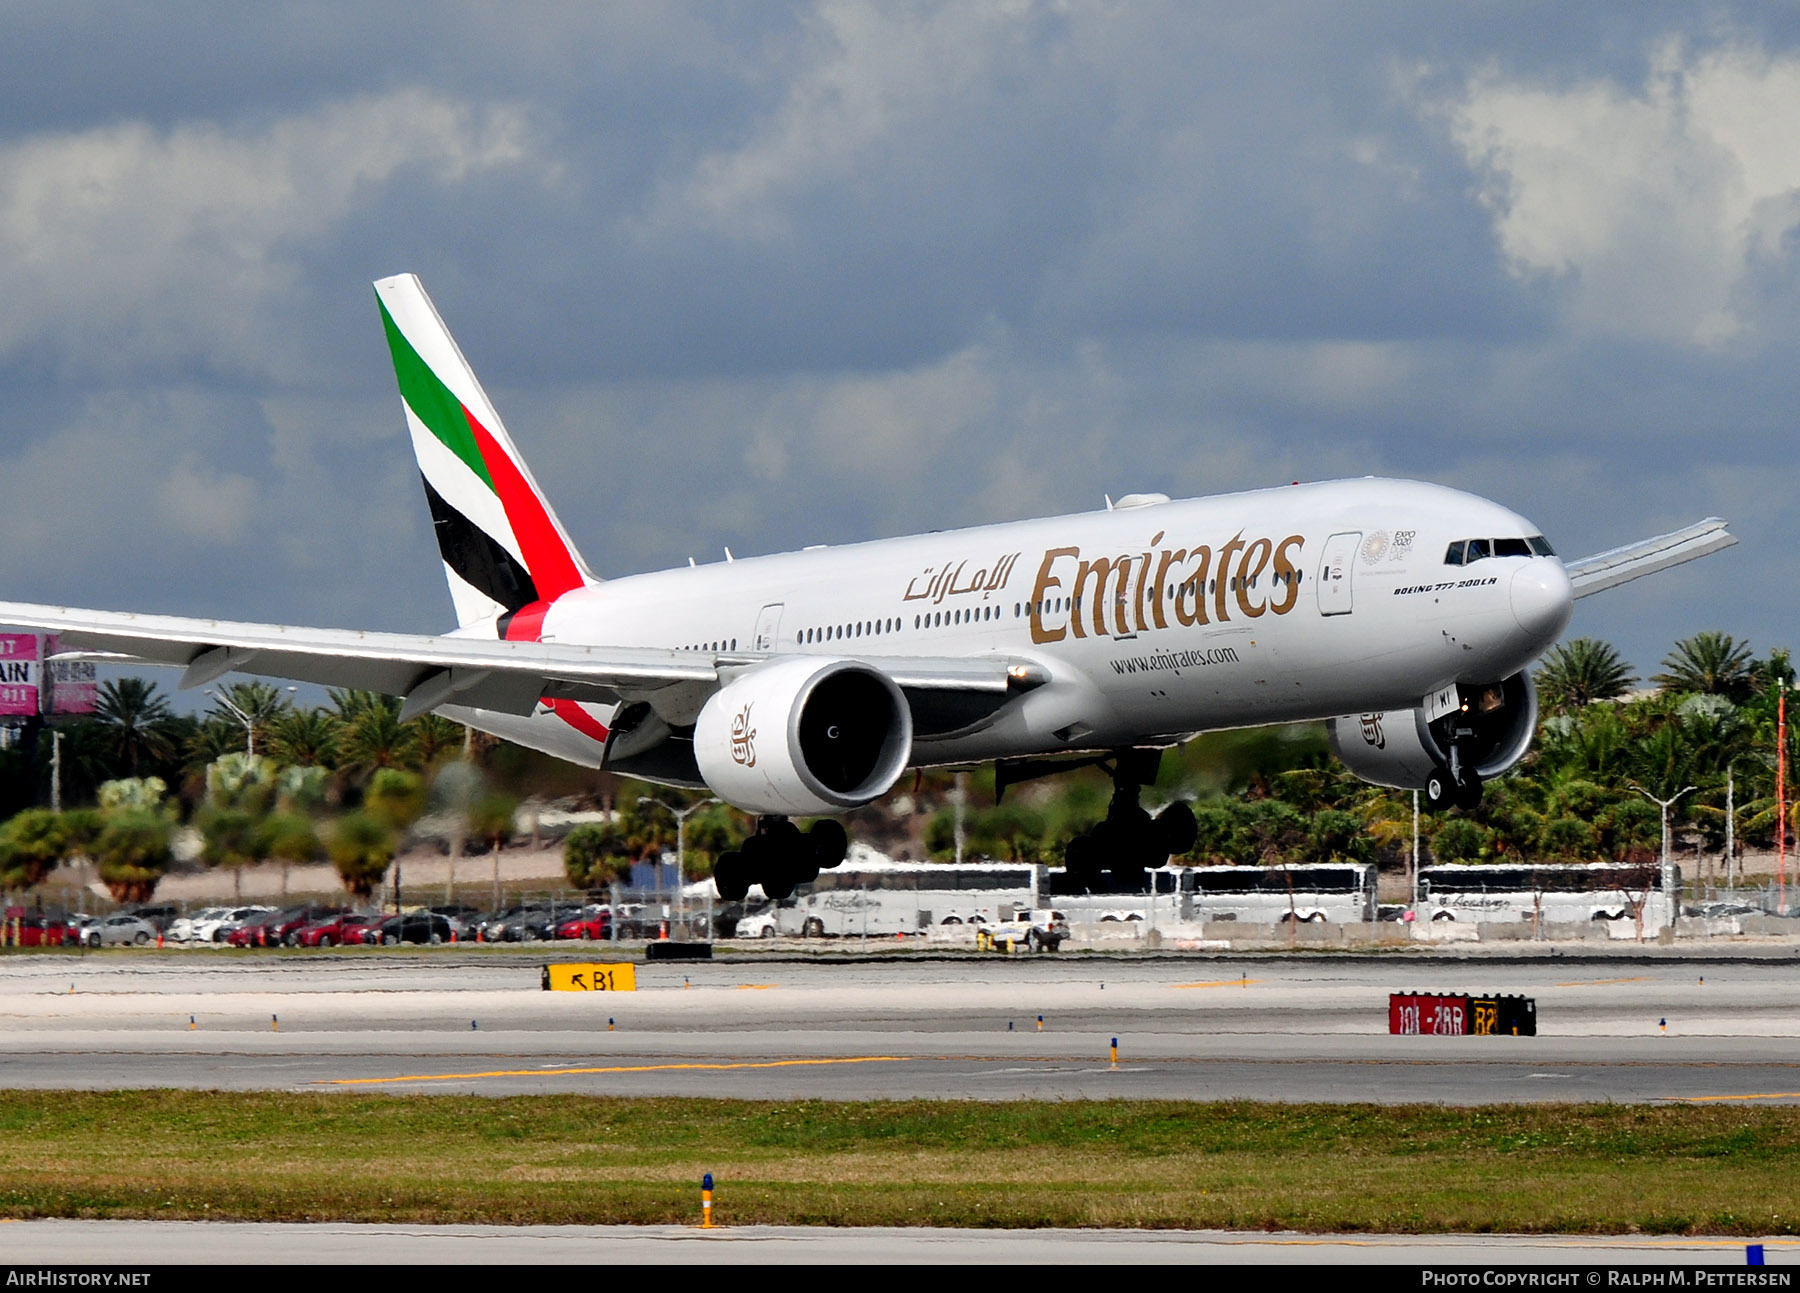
680,815
248,720
1668,872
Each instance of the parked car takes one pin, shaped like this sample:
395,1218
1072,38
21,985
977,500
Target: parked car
35,929
273,930
528,924
159,917
592,922
184,929
119,930
413,927
1039,930
330,931
766,921
221,928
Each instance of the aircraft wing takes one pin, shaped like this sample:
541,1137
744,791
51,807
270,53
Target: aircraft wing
481,673
1618,566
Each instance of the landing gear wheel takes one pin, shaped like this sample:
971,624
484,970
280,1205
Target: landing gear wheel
1438,790
829,842
1176,825
1468,792
1081,859
731,876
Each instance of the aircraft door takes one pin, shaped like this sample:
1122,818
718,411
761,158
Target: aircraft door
768,627
1335,568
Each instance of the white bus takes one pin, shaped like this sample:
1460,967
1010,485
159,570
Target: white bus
873,896
1560,892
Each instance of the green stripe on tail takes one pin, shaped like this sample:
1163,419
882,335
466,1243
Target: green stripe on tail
431,401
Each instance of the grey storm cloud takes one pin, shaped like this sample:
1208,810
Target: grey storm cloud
768,275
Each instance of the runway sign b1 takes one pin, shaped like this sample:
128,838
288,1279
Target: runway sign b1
620,976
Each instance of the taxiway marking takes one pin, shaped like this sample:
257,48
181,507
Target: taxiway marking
1218,983
616,1068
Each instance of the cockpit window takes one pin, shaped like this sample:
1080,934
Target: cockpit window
1466,551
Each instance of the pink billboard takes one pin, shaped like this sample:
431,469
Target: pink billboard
18,675
74,687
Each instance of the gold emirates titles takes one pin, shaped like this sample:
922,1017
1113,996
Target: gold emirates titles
1146,588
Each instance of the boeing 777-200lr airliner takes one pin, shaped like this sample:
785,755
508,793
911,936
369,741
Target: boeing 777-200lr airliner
804,684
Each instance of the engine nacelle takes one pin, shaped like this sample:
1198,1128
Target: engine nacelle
1400,748
804,735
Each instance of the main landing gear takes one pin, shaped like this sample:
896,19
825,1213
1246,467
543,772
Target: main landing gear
1115,854
779,857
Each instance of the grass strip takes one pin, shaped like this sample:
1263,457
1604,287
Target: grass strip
268,1156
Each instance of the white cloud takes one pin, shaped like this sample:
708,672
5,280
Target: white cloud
876,80
110,237
1654,203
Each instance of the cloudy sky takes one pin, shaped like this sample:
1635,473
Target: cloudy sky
763,275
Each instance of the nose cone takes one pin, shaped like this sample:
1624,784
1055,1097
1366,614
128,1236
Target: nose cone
1542,600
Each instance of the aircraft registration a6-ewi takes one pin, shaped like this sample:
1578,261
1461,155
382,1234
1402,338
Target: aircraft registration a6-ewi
806,683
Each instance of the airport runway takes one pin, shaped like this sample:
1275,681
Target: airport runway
1301,1028
127,1244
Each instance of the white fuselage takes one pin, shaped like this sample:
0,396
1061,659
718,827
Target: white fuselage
1151,622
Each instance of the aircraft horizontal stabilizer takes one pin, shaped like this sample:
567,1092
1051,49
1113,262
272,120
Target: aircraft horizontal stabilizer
1648,556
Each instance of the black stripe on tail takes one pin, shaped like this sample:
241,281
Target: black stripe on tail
477,558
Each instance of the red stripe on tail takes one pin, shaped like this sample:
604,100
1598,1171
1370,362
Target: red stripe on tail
547,557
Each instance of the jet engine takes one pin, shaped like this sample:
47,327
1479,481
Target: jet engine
804,736
1487,731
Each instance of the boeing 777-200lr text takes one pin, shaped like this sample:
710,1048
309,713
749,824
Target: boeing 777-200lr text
806,683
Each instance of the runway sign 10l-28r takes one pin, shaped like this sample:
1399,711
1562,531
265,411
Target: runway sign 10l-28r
1458,1014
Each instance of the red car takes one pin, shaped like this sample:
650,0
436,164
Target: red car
590,924
37,930
279,929
333,930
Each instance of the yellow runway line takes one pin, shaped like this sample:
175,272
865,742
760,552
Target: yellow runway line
616,1068
754,987
1589,983
1218,983
1715,1099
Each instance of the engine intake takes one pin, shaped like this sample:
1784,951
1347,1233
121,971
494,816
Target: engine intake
1400,748
804,735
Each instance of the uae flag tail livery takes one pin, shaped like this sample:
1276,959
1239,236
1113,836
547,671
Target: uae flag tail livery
506,555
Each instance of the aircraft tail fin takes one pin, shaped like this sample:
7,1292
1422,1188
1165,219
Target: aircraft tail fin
504,549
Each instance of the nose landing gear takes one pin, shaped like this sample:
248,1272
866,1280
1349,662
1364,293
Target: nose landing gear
1459,784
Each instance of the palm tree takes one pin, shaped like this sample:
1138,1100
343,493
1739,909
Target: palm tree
304,738
34,844
437,737
138,722
1580,672
1711,663
373,735
361,849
